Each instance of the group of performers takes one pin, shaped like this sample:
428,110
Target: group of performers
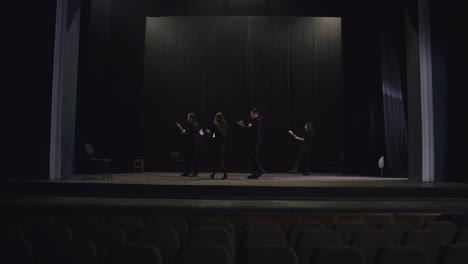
219,132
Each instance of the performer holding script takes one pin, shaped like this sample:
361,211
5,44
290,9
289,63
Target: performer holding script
218,133
190,134
255,134
305,149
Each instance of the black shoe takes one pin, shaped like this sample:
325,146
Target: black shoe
193,175
184,174
212,175
252,176
225,176
306,173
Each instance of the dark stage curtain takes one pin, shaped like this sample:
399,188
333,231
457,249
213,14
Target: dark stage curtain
289,67
396,156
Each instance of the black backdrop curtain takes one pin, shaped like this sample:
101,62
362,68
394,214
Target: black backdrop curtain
291,68
396,156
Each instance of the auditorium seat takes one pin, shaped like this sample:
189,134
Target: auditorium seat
268,255
462,237
396,230
104,238
308,241
347,229
219,223
134,254
164,238
261,225
130,225
178,224
460,219
80,225
213,236
46,233
37,220
370,243
11,232
430,240
70,252
344,255
295,230
403,255
16,252
264,237
204,254
448,230
453,254
29,222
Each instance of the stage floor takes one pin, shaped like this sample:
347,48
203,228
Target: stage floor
267,180
272,192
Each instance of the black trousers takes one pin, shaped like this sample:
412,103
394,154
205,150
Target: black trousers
191,160
218,158
254,152
304,154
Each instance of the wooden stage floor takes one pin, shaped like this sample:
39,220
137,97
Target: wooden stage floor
273,192
267,180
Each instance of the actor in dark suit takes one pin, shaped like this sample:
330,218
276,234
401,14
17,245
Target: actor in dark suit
305,149
255,134
218,134
190,134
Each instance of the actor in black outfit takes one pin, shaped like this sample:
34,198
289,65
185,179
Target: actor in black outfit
219,133
305,149
191,146
255,132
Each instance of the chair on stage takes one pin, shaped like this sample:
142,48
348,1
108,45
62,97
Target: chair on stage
96,165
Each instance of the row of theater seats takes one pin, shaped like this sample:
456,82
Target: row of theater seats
165,240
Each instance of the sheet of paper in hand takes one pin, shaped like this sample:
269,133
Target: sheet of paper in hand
240,123
201,132
180,127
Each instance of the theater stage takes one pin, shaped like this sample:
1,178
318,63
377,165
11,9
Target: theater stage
272,192
240,179
270,186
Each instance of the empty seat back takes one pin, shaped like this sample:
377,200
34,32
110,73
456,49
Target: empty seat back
310,240
16,252
295,230
261,225
396,230
49,233
268,254
213,236
130,225
164,238
403,255
348,229
448,230
134,254
11,232
264,237
430,240
462,237
178,224
206,254
370,243
348,255
105,238
70,252
453,254
80,225
219,223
